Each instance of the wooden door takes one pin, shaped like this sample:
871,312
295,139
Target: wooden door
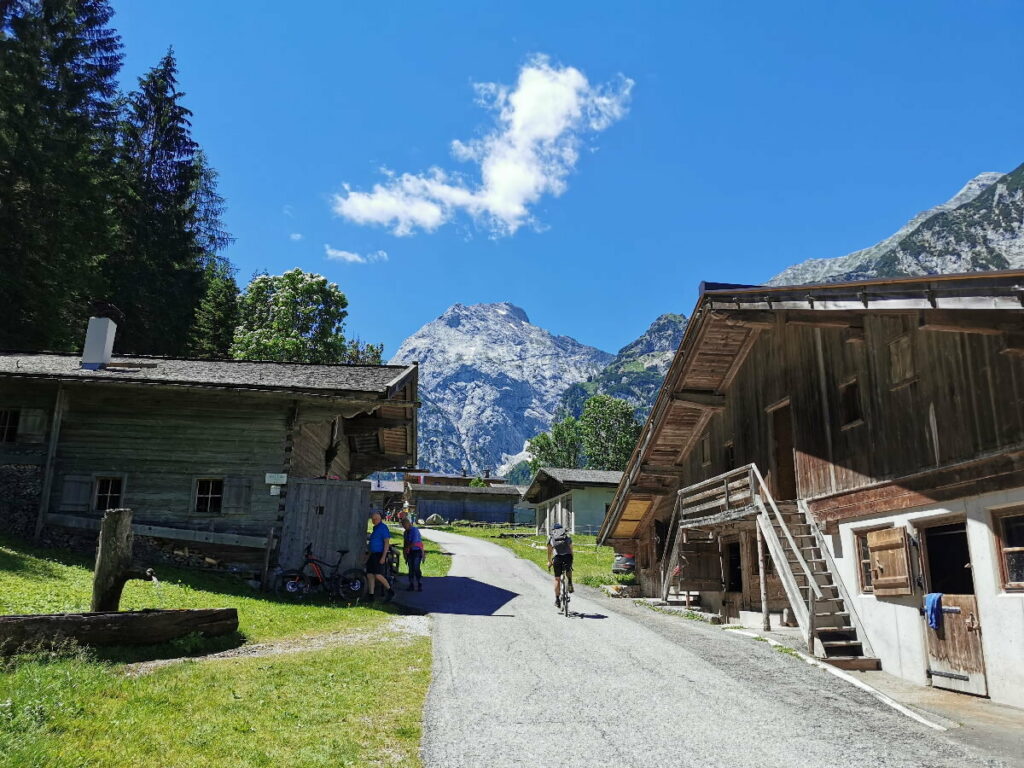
328,514
783,482
955,659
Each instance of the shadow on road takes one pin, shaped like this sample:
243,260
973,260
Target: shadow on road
457,595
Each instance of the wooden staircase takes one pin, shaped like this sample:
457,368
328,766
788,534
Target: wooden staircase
819,601
832,635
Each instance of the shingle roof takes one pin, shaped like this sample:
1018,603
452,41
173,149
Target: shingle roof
323,380
494,490
588,476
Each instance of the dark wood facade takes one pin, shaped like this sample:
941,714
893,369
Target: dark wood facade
852,397
163,429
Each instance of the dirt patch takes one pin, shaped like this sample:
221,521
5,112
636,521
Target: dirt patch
399,628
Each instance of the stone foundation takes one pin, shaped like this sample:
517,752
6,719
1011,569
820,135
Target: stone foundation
20,487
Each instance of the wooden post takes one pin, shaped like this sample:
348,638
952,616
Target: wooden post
51,453
114,560
264,578
766,622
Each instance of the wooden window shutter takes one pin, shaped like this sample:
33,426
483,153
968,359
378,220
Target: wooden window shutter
700,566
237,495
889,555
32,425
76,493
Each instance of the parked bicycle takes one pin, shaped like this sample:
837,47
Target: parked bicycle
317,576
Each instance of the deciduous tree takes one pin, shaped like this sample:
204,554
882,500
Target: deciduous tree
608,432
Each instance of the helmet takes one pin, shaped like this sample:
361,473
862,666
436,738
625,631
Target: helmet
556,527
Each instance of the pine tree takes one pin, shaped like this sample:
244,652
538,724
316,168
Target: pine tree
58,64
158,275
216,317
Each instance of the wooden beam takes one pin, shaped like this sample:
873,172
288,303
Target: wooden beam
698,398
747,318
1014,344
649,490
670,470
364,425
971,321
161,532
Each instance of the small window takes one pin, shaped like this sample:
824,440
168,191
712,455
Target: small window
864,562
901,361
108,493
705,450
729,457
9,425
1010,532
209,496
849,404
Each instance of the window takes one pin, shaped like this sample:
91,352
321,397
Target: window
901,361
729,457
8,425
108,493
705,450
864,562
1010,540
209,496
849,404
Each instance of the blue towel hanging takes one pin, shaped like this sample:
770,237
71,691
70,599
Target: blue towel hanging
933,609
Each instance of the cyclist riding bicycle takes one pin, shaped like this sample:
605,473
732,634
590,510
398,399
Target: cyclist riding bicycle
560,558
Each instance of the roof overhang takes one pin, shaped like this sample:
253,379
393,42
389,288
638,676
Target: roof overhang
726,324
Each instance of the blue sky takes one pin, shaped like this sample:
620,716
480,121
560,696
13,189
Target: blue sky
698,141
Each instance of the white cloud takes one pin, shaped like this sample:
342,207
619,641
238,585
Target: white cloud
295,236
334,254
530,152
287,211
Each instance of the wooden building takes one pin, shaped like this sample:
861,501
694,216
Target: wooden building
219,457
487,504
576,498
865,442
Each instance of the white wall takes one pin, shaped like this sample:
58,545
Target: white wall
588,510
895,627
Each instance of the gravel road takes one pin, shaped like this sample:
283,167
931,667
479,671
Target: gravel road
517,684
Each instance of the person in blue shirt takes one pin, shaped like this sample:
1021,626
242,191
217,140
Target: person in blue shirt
413,550
380,542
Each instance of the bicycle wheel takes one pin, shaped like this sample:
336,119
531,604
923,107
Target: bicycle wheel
565,596
352,584
291,584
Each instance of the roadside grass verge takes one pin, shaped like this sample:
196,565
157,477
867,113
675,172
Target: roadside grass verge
436,562
592,565
355,703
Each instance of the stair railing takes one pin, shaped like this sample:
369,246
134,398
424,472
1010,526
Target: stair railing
826,553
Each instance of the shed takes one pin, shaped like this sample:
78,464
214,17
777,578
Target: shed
490,504
576,498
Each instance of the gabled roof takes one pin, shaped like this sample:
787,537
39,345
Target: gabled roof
564,479
378,381
419,489
725,325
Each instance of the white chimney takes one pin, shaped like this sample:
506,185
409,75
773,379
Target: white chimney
99,343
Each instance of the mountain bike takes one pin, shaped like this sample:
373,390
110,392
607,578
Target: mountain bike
317,575
564,589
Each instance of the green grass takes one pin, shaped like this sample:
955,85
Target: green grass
592,565
353,704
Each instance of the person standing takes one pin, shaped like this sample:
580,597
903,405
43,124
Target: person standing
413,549
380,541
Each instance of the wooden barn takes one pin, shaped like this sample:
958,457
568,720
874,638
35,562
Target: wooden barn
228,461
844,450
486,504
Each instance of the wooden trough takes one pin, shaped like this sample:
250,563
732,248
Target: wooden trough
113,628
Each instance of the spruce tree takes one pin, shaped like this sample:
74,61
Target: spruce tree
58,64
157,275
216,317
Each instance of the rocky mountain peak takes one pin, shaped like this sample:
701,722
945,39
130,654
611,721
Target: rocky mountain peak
489,380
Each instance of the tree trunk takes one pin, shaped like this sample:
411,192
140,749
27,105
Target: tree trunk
113,560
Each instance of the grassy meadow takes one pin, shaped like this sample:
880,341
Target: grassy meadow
592,564
333,684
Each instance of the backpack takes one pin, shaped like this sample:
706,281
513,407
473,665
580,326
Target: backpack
560,542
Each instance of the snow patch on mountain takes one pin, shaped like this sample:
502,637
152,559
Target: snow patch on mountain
489,381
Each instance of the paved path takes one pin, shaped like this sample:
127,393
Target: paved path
517,684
